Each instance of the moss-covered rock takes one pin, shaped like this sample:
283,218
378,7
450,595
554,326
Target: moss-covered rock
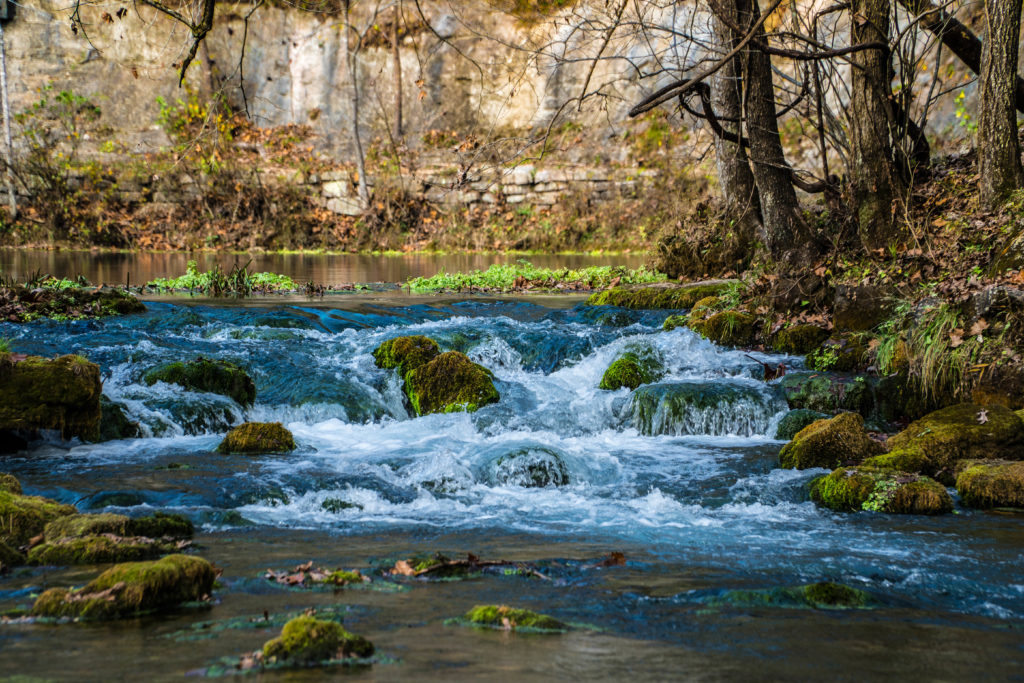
703,408
114,423
991,483
9,557
795,420
60,393
827,393
132,588
530,468
451,382
846,353
158,525
508,618
209,375
867,488
727,328
631,369
25,517
161,525
306,640
406,353
830,443
674,321
98,549
9,483
934,444
799,339
822,595
669,296
258,437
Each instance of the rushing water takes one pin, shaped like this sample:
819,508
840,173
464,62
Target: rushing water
690,493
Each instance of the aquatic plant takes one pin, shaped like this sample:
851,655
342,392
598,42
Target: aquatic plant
510,619
308,640
236,282
524,275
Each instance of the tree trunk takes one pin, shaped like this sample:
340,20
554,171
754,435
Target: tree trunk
11,198
999,165
353,74
397,58
874,180
739,191
786,235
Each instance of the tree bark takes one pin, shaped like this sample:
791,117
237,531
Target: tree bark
11,197
353,74
739,190
999,166
786,234
874,181
397,59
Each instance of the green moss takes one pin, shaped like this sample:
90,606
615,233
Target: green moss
54,299
876,490
132,588
827,393
631,369
799,339
822,595
9,483
504,617
834,595
307,640
95,549
674,321
24,517
449,383
343,578
991,484
406,353
114,424
676,297
161,525
9,557
158,525
204,374
845,354
258,437
61,393
727,328
830,443
795,420
962,432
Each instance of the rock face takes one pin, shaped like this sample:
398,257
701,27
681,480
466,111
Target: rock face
727,328
867,488
991,483
132,588
114,424
843,354
827,393
258,437
204,374
860,307
631,369
674,296
306,640
830,443
934,444
62,394
449,383
799,339
508,618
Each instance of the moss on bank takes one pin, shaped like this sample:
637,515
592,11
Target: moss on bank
60,393
674,297
24,517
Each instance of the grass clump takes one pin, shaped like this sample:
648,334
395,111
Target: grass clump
236,282
524,275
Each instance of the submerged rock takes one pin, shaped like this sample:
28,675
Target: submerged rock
934,444
9,557
508,618
667,296
991,483
406,353
114,424
99,549
451,382
258,437
713,408
631,369
209,375
867,488
822,595
531,468
795,420
25,517
306,640
158,525
827,393
831,443
132,588
799,339
727,328
61,393
674,321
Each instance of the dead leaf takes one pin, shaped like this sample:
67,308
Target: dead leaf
978,327
403,568
982,417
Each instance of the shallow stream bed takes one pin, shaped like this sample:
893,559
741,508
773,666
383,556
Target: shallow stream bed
692,498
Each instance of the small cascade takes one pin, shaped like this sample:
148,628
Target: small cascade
706,408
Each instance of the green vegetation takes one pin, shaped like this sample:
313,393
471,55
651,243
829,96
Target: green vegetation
60,393
451,382
509,618
524,275
24,517
204,374
406,353
306,640
822,595
236,282
839,441
728,328
258,437
632,368
991,484
878,490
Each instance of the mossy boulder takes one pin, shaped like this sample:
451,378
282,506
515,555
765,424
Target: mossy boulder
631,369
799,339
851,489
821,595
209,375
60,393
839,441
530,468
22,518
991,483
161,525
674,321
846,353
509,618
727,328
132,588
114,423
935,443
716,408
406,353
307,640
9,557
665,296
451,382
827,393
158,525
795,420
258,437
9,483
98,549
